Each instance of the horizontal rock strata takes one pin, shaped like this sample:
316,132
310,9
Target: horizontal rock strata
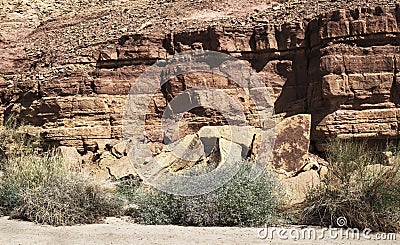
340,66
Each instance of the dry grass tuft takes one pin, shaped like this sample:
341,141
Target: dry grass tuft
38,186
66,201
357,187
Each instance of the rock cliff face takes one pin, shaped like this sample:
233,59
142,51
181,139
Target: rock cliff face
69,76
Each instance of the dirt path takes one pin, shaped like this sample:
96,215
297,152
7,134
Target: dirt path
117,231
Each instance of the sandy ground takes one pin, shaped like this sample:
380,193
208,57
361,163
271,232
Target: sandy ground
118,231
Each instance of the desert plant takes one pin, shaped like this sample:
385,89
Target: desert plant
39,186
240,202
43,189
357,187
126,188
16,140
25,171
66,201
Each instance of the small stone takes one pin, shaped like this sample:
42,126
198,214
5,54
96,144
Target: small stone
70,156
119,150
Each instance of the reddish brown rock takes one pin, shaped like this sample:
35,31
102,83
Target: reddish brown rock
70,76
374,123
292,143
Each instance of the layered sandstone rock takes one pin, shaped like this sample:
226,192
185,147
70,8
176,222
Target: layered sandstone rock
355,91
71,78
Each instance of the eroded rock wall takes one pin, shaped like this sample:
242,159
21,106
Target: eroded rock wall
354,93
340,67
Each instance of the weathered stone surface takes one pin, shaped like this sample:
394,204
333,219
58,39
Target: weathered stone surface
110,167
336,86
292,143
70,78
296,188
265,38
88,158
373,123
241,135
120,168
181,154
229,152
70,156
210,149
119,150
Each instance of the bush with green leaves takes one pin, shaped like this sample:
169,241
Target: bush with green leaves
359,187
240,202
126,188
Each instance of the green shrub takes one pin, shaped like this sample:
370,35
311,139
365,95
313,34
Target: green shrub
240,202
16,140
126,188
126,193
9,197
357,187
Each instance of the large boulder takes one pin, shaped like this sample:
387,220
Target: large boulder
120,149
214,145
318,164
296,188
241,135
226,152
181,154
192,149
111,167
292,143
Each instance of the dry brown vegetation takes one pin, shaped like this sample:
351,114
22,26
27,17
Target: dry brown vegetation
358,187
38,186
